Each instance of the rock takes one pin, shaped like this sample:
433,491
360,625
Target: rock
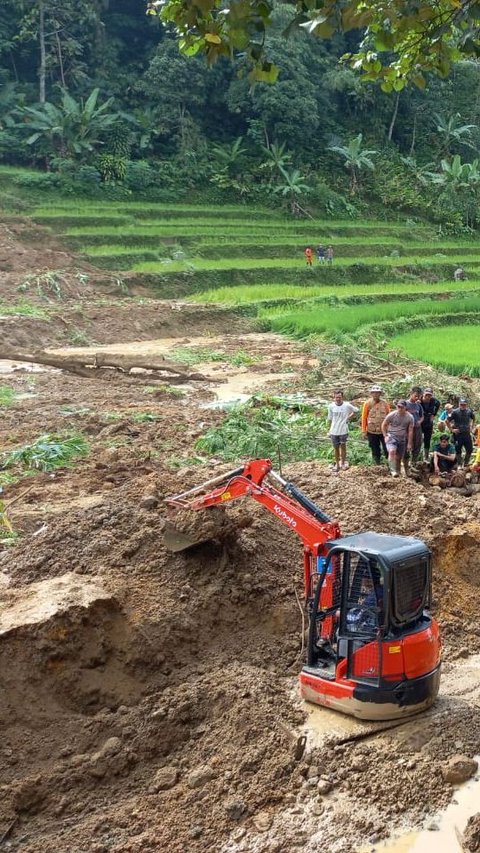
471,835
458,769
262,821
200,776
324,786
318,808
149,502
196,831
235,809
164,779
111,746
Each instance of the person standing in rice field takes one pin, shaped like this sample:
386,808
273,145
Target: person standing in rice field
321,254
329,255
309,256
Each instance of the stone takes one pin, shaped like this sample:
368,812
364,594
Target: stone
459,768
111,746
235,809
262,821
324,787
200,776
149,502
164,779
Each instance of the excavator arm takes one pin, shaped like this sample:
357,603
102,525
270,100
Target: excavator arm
282,498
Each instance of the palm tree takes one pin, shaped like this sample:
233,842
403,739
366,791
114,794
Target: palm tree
277,155
462,181
356,158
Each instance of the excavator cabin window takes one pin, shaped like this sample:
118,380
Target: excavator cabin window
363,612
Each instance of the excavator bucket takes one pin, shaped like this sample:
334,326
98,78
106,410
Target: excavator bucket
186,529
176,540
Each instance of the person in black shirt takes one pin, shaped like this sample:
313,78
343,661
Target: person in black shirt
461,423
430,406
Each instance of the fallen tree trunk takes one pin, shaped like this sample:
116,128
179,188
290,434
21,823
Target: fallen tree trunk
103,364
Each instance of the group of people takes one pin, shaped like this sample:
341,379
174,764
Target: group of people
399,432
324,254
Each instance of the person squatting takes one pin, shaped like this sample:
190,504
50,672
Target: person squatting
402,432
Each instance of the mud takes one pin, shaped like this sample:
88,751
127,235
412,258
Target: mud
149,699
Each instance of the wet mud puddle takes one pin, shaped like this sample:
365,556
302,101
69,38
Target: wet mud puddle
235,383
451,824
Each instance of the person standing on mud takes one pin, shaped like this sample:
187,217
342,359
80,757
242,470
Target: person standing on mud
397,429
461,423
329,255
430,406
374,413
414,407
338,415
309,256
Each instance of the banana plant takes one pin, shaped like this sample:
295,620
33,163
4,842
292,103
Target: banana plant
356,159
73,127
451,130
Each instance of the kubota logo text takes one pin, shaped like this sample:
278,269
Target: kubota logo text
286,517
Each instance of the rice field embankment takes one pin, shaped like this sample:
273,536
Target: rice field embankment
384,275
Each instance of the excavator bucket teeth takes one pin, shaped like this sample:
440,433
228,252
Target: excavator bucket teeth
179,540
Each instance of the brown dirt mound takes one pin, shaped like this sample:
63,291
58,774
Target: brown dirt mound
198,747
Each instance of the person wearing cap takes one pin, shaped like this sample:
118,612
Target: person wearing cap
397,429
444,456
443,417
414,407
461,423
430,406
374,412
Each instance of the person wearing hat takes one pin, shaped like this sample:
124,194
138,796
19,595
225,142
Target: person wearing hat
461,423
397,429
374,412
430,406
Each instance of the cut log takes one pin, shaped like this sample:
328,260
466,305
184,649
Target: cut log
101,364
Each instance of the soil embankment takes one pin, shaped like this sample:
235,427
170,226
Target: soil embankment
149,699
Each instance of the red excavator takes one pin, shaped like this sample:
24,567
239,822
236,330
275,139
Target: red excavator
373,648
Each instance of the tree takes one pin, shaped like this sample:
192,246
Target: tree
401,41
356,158
460,181
72,128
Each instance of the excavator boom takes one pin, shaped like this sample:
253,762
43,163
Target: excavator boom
284,500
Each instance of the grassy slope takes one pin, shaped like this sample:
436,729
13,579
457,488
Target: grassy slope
454,348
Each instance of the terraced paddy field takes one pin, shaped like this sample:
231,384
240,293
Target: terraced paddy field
385,275
452,348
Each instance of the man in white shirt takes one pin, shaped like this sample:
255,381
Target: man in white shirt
338,416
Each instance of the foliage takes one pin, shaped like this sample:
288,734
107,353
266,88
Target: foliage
356,159
47,453
197,355
7,396
72,128
398,44
272,427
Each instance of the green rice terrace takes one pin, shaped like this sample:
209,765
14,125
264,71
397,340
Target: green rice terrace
385,276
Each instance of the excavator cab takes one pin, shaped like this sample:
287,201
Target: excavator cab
373,649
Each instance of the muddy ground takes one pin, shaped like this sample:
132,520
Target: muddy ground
149,700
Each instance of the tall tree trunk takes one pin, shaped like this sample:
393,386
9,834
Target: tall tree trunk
42,71
414,134
60,59
394,117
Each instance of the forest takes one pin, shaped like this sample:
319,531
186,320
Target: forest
97,99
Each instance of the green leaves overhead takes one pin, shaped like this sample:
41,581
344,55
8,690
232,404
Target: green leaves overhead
401,40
